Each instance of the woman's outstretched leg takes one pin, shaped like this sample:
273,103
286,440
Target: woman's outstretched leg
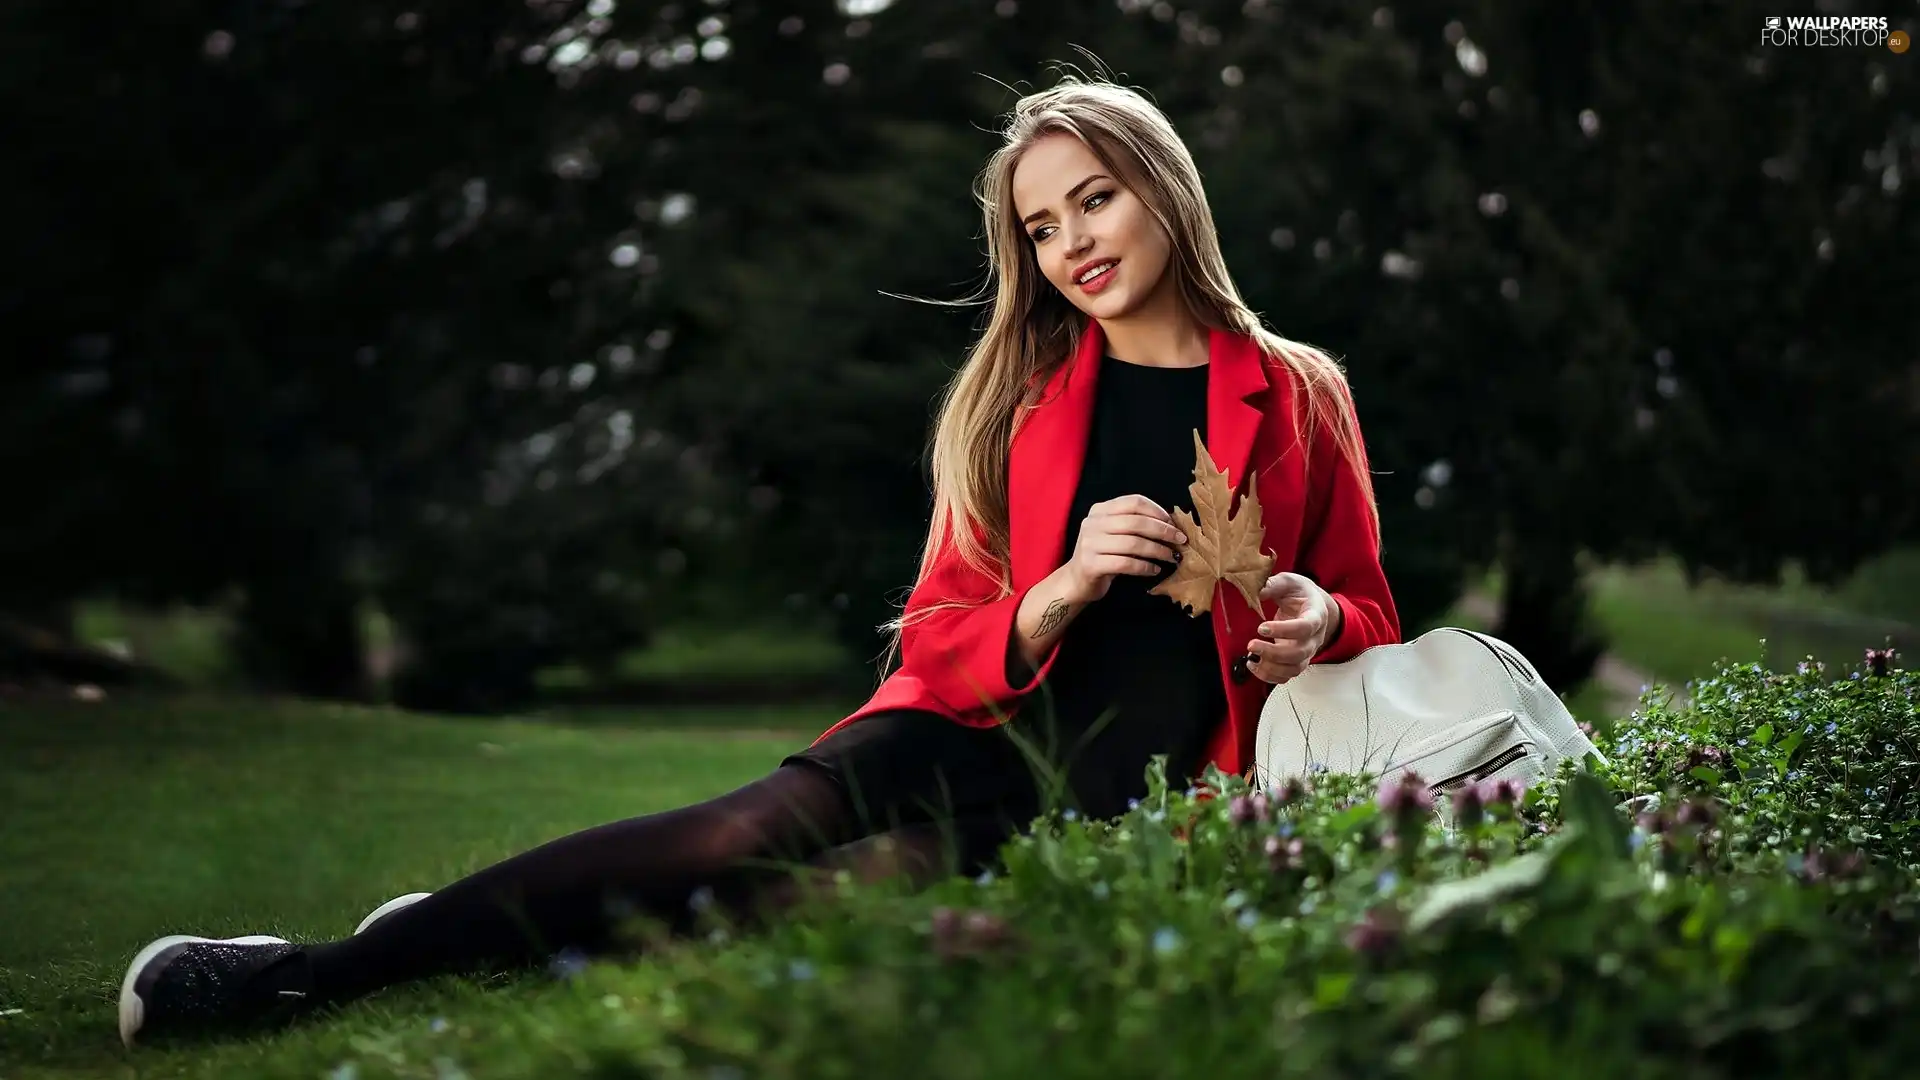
917,854
578,890
573,891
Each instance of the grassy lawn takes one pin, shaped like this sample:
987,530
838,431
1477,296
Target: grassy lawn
217,816
1657,623
126,821
132,819
703,653
1669,632
187,644
1114,956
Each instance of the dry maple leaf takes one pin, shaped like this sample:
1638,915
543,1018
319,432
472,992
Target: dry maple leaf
1221,545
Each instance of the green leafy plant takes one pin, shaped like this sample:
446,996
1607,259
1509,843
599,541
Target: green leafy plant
1729,894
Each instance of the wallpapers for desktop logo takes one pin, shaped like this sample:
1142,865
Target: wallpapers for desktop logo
1832,31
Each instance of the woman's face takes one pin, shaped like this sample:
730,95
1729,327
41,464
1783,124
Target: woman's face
1093,237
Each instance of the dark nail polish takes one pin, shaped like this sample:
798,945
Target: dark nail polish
1240,672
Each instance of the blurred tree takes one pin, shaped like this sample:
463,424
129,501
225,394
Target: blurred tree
1713,257
1512,219
1759,221
532,323
320,273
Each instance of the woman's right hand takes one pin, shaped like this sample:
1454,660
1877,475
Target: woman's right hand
1118,537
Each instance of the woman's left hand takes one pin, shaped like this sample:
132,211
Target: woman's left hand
1306,619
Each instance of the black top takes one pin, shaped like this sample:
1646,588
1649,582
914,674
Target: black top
1142,656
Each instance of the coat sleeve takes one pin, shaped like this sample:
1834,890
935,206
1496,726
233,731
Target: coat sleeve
960,652
1339,550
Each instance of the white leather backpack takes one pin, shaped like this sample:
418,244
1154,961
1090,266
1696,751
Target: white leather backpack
1452,705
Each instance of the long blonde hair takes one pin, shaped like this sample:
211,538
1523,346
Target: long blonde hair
1032,329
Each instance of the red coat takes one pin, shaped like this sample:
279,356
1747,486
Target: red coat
954,663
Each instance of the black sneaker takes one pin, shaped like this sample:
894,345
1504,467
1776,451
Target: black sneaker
187,985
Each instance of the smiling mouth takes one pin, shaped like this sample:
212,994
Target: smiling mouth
1097,272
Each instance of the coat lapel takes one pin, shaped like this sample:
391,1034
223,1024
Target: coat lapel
1234,398
1234,387
1043,467
1050,448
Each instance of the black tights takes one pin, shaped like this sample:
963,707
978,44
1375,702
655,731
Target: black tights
578,891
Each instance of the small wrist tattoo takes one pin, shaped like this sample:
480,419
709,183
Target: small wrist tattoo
1051,618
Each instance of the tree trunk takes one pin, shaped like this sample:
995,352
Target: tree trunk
303,638
1543,613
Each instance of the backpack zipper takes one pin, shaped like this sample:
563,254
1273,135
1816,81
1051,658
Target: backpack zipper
1479,772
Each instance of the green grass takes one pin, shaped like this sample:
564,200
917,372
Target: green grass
130,820
213,815
736,652
1657,623
186,644
190,645
1116,955
1887,587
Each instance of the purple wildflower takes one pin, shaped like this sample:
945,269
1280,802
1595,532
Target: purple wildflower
1240,810
1468,805
985,928
1710,756
956,934
1284,854
945,922
1695,812
1377,932
1502,791
1822,865
1406,794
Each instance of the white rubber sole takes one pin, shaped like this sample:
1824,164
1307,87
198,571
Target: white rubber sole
133,1009
389,908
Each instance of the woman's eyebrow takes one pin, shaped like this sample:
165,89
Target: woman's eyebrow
1071,192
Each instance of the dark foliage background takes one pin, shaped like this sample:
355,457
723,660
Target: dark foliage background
540,327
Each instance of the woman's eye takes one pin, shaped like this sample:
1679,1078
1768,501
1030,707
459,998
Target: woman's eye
1097,199
1041,233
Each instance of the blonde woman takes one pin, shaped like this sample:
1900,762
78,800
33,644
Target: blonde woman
1037,667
